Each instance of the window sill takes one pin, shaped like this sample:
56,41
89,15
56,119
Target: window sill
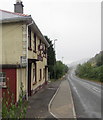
4,87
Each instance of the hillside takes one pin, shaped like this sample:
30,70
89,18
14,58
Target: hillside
97,60
92,69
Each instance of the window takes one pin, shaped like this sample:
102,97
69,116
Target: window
29,38
34,75
34,42
2,79
40,44
45,50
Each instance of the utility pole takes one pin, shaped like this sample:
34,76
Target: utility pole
54,43
55,56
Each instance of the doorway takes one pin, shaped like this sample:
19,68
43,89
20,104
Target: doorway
29,78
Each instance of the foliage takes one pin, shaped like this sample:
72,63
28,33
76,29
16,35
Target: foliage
56,68
90,72
93,69
60,69
51,60
98,59
12,110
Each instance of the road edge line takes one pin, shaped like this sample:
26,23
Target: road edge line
74,113
50,103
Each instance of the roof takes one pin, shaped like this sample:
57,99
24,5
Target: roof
11,15
7,17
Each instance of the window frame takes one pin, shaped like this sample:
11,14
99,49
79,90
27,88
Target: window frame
34,75
29,38
3,83
35,38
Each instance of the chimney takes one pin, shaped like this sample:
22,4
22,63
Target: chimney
18,7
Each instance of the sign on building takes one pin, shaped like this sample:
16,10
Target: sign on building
23,61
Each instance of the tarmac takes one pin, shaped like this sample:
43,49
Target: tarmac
52,101
38,103
61,106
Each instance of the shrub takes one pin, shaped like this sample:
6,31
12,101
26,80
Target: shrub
10,109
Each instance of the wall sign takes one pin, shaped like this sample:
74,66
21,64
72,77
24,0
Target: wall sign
23,60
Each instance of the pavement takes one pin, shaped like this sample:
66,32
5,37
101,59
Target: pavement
62,105
38,103
52,101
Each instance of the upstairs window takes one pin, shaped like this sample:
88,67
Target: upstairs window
40,45
29,38
34,42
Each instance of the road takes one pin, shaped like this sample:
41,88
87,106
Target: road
86,96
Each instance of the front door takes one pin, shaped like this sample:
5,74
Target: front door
29,78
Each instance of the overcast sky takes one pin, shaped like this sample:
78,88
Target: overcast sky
75,23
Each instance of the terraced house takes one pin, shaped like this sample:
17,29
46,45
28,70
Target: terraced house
24,56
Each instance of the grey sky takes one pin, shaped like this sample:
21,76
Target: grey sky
75,23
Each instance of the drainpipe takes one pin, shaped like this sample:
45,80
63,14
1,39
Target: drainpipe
27,59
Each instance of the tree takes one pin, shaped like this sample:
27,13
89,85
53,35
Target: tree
99,59
51,59
56,68
60,69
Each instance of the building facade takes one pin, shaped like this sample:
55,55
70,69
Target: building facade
23,54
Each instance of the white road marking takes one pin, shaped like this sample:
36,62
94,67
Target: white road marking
50,103
83,104
94,88
90,87
74,113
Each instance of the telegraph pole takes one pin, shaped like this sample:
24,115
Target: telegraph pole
55,56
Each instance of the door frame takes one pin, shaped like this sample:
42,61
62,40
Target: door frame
29,78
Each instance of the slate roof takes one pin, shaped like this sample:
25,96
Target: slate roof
6,17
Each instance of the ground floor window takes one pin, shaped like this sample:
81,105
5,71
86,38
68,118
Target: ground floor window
34,74
2,79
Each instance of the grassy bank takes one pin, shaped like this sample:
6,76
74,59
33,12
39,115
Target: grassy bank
87,71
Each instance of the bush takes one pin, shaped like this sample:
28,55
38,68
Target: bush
60,69
12,110
90,72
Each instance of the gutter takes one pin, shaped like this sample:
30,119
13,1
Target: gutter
27,58
15,19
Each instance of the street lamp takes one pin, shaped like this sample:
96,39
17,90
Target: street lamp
54,43
54,60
